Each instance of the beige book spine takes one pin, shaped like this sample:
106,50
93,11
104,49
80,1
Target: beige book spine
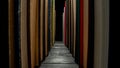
23,34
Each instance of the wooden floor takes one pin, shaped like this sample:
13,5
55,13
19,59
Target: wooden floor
59,57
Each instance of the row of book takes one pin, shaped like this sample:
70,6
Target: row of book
27,24
86,32
31,31
97,45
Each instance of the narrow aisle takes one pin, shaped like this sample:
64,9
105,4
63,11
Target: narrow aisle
59,57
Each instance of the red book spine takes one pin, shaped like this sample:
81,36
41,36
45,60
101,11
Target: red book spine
81,33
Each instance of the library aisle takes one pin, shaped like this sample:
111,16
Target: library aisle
59,57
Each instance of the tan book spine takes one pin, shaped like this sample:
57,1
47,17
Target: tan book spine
85,32
32,31
23,34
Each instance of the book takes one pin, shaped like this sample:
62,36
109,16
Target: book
101,35
74,12
46,27
90,60
41,30
77,53
23,34
72,26
81,32
49,34
67,20
37,39
11,34
85,32
34,33
17,18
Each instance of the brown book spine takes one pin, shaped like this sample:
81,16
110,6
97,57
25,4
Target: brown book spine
41,30
85,32
11,33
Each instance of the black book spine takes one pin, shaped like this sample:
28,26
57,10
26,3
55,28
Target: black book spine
91,35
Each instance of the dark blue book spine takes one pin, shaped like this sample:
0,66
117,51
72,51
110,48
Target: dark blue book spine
49,1
17,34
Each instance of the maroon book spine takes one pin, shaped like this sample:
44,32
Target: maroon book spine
81,33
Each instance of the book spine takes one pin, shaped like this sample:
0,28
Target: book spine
101,42
23,34
46,27
11,34
90,60
49,34
74,12
41,30
17,33
81,33
85,32
77,54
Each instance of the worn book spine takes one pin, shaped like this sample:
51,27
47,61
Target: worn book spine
49,34
85,32
11,33
101,42
17,14
43,37
54,19
77,54
72,26
41,30
37,34
91,35
69,24
23,34
81,33
51,23
46,27
33,32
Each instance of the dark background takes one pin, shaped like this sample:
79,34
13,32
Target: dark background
59,7
4,53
